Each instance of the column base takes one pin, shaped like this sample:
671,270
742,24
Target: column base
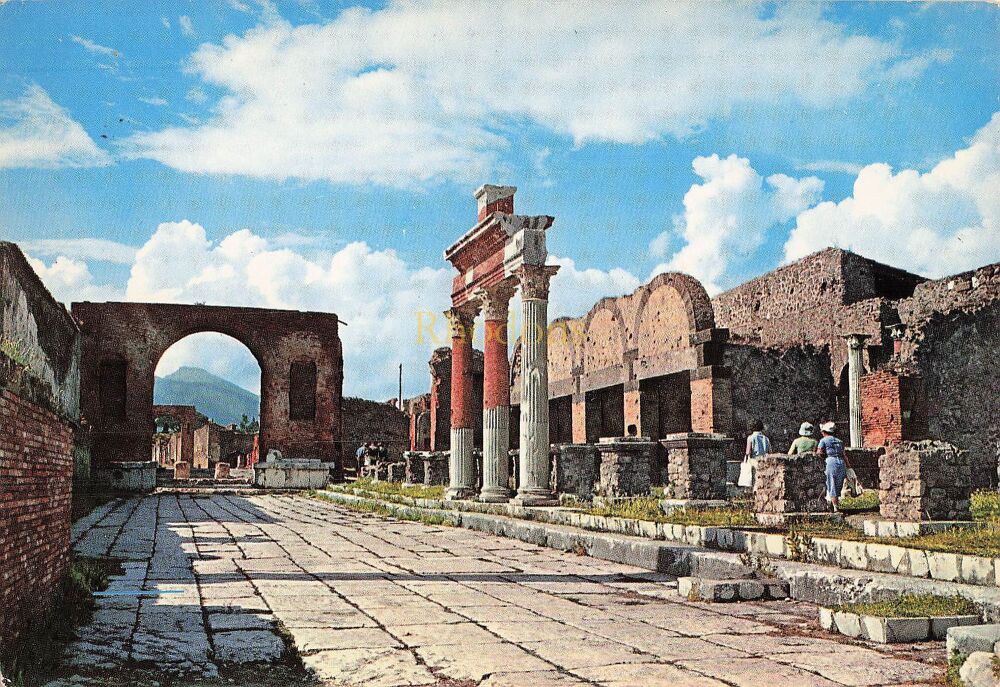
541,497
460,494
494,495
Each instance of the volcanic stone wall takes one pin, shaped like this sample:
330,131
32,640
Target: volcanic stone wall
925,480
365,421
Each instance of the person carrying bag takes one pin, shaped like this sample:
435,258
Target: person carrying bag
757,445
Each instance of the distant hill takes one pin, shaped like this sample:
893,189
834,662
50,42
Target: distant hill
220,400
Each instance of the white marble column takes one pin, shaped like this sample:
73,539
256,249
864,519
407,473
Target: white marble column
855,368
533,489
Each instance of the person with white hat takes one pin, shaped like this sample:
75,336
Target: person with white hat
804,443
836,462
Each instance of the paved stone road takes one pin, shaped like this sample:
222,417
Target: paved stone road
378,602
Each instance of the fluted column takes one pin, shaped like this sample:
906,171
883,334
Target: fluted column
496,393
533,487
461,465
855,368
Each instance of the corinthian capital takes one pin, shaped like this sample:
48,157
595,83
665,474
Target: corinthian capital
461,319
535,281
496,299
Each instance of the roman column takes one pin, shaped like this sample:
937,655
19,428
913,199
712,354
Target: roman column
496,393
855,368
461,465
533,487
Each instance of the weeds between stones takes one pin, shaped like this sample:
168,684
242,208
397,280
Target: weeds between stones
913,606
39,647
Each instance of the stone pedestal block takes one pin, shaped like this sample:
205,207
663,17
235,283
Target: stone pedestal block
436,468
301,473
414,467
396,472
182,470
924,480
575,470
696,465
222,470
625,466
790,484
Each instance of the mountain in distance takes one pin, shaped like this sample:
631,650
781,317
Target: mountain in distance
214,397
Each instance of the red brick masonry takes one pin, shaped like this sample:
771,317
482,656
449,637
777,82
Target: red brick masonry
36,477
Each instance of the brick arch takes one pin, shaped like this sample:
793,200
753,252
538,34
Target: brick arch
140,333
591,358
697,306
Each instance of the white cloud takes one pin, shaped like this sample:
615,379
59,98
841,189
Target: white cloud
407,94
574,291
70,280
835,166
727,216
187,28
238,6
221,355
165,22
157,101
100,250
940,222
36,132
94,48
196,95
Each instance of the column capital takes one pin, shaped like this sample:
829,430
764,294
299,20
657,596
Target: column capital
535,281
461,318
856,341
496,299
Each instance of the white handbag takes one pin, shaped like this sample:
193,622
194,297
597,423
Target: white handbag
852,486
746,473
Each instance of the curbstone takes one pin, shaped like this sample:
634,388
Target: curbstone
826,619
944,566
879,558
895,630
967,639
919,565
940,626
854,555
847,623
978,570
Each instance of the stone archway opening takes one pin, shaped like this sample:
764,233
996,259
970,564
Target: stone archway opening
206,403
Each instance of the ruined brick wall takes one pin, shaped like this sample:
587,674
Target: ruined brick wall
816,300
893,408
780,387
373,421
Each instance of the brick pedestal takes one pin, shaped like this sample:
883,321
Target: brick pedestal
625,466
696,465
222,470
924,480
575,470
182,470
790,484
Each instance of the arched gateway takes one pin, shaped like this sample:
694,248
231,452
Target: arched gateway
301,368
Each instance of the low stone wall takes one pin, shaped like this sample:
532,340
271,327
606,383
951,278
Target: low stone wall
575,470
790,484
130,477
696,465
292,474
414,467
924,480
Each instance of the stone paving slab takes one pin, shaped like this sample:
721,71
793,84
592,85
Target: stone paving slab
369,600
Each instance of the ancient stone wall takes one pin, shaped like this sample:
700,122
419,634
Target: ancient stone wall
37,330
924,480
790,484
781,387
816,300
366,421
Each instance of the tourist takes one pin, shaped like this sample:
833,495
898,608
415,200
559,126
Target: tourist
359,456
836,463
757,445
382,453
804,443
632,430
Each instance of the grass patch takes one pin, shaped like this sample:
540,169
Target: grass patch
390,489
381,509
913,606
985,506
648,508
39,647
866,503
951,676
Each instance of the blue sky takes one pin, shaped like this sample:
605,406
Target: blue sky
334,148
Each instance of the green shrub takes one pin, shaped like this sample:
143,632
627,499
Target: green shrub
985,506
381,488
914,606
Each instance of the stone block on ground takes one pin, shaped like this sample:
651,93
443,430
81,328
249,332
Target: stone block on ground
414,467
396,472
925,480
790,484
222,470
736,589
247,646
971,638
182,470
436,469
977,670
